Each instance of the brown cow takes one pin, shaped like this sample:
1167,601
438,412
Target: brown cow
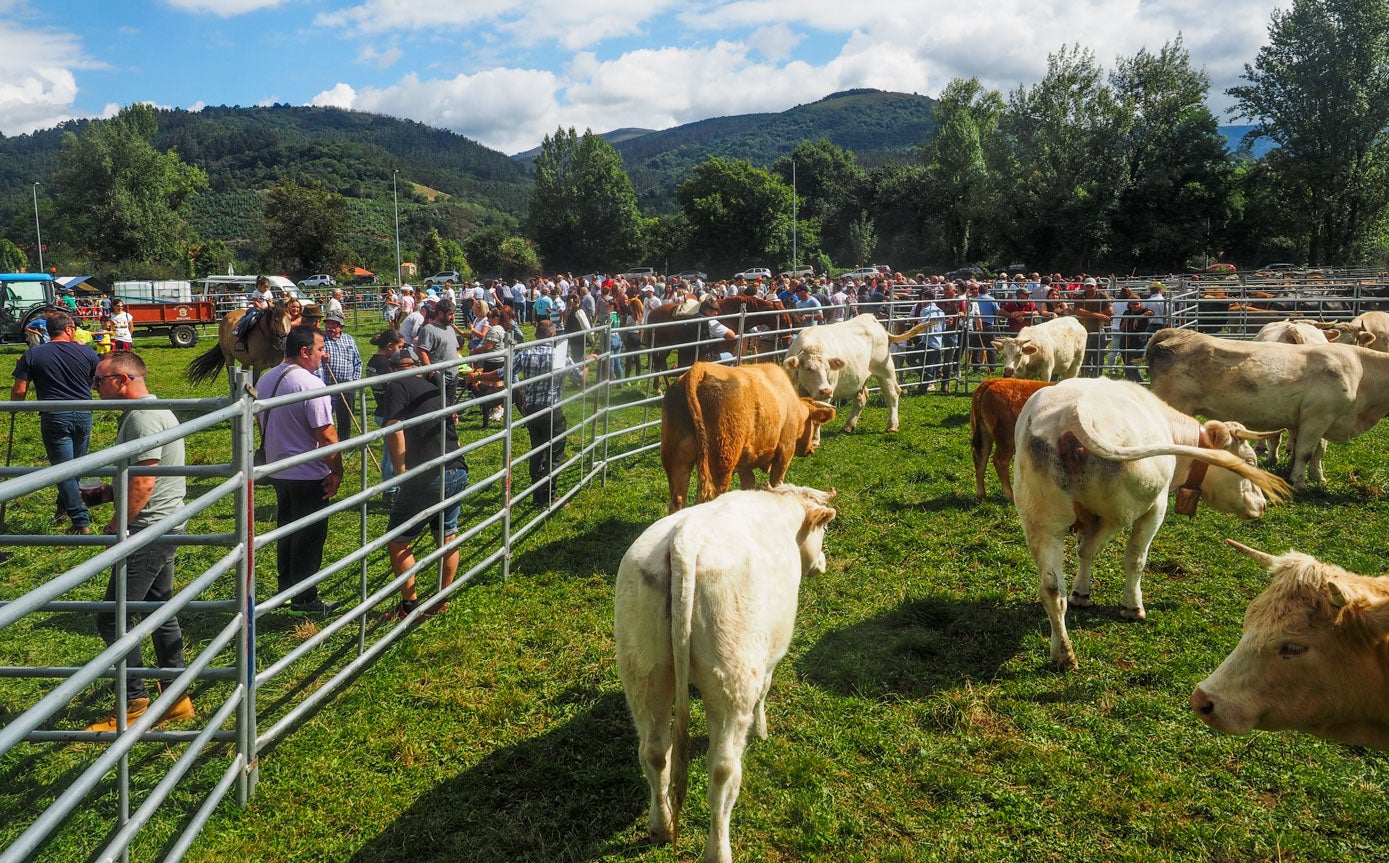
723,420
993,415
1312,657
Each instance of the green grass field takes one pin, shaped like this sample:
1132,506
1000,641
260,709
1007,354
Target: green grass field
916,717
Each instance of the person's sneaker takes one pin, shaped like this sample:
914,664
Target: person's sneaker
402,610
60,515
84,530
312,606
134,709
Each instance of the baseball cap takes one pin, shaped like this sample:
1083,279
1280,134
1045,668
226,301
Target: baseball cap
404,354
1091,281
334,318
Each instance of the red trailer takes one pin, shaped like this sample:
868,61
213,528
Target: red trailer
179,321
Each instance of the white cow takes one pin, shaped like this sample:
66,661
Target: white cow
1369,330
1098,455
1318,393
1051,350
836,362
1289,332
1311,657
708,596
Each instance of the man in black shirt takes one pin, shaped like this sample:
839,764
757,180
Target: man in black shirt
415,445
61,370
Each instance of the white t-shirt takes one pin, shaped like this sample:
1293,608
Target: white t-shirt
123,321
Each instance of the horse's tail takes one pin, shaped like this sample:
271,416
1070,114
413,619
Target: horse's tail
207,366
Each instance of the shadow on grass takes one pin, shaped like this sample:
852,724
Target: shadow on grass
599,548
569,794
922,646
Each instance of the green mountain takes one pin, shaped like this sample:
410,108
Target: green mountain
445,180
879,127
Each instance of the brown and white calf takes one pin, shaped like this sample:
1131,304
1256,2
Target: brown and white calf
1313,657
708,596
1098,455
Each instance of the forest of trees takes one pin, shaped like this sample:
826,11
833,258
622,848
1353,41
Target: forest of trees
1090,168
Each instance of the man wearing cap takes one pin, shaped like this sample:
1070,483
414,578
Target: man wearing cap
808,307
342,363
1094,311
411,447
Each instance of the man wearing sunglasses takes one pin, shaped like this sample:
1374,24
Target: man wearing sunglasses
149,572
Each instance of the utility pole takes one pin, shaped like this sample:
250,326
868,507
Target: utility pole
395,197
38,232
794,260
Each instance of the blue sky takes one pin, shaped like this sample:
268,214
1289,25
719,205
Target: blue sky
507,72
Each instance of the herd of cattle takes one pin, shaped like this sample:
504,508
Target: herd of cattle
707,595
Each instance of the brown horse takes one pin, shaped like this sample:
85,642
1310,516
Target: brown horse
778,328
663,336
260,349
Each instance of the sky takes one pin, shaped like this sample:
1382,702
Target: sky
508,72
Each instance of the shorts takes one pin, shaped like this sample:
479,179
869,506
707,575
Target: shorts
418,495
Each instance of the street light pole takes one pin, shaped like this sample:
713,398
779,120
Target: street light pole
38,232
794,261
396,198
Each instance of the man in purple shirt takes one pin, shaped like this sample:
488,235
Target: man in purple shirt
289,430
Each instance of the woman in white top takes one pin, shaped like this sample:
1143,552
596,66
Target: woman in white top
123,323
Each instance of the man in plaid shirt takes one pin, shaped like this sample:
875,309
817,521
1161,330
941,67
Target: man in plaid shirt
539,402
342,362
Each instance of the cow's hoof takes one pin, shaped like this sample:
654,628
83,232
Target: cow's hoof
891,429
1065,661
1137,614
1080,600
849,429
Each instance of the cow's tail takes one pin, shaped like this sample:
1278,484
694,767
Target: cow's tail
1272,486
684,560
693,378
909,334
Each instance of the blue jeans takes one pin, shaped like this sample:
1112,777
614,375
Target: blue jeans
387,466
615,355
65,437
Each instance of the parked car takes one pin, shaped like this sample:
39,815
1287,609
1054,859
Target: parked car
863,273
799,273
1279,268
692,275
754,273
636,273
445,276
321,280
972,271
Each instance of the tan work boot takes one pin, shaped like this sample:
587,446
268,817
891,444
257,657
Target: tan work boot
136,707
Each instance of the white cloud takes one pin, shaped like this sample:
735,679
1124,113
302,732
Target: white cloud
380,59
774,42
507,109
38,84
223,8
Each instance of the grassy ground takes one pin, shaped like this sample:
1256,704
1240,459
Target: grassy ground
915,718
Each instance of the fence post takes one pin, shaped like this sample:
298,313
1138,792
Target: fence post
243,460
508,423
363,573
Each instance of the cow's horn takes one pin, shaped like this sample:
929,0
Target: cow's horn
1246,434
1262,557
820,404
1338,598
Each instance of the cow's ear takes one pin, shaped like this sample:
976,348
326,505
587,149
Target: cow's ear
1330,333
998,344
790,363
819,516
1029,349
1365,338
836,363
1218,434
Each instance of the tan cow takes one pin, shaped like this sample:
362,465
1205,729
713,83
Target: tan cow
1316,392
1096,456
1289,332
1050,350
720,420
993,416
1312,656
1369,330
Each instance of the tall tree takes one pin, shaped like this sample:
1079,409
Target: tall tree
304,226
483,248
739,215
583,213
121,199
959,181
829,184
518,259
1177,177
1065,163
12,257
1319,90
